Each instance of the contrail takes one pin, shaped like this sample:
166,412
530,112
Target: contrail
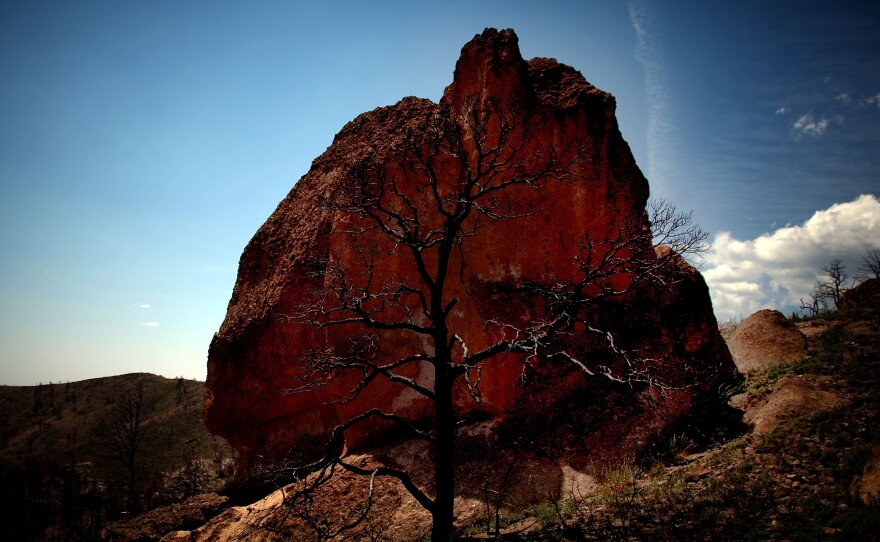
650,54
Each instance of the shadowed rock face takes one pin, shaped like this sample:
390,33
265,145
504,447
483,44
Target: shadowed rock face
257,353
864,296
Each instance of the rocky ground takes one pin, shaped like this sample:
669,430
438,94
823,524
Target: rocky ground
807,468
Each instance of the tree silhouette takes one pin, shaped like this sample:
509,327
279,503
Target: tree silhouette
870,267
120,434
458,173
832,283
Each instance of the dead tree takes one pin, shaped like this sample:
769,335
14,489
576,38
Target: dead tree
120,435
832,283
814,306
457,174
870,268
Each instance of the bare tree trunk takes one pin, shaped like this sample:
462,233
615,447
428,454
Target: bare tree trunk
442,515
459,172
121,433
133,505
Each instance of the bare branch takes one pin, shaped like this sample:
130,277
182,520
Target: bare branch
832,283
456,173
870,267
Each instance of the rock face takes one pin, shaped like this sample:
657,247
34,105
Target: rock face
766,339
259,351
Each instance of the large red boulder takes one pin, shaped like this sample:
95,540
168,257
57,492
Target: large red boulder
260,350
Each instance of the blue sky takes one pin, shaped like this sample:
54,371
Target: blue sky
143,144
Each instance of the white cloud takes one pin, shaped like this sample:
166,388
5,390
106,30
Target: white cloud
150,324
144,306
782,110
844,98
809,125
777,269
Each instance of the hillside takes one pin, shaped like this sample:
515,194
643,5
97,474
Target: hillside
61,472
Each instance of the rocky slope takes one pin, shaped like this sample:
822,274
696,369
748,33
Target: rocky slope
261,348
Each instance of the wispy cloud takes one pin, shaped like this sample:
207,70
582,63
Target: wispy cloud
777,269
871,100
144,306
649,53
809,125
783,110
150,324
848,100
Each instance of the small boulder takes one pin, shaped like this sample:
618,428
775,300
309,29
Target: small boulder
792,397
766,339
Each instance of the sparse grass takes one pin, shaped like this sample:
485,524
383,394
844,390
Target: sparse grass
661,505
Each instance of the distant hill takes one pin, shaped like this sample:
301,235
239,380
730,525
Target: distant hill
60,473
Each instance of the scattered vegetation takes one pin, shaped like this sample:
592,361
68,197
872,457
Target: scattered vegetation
69,463
800,482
